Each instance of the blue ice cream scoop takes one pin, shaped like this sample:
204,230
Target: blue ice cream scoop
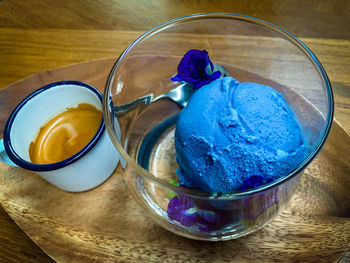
231,131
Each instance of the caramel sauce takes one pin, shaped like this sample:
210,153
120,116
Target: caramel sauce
65,134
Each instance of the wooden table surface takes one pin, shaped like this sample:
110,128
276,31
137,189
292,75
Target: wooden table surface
38,35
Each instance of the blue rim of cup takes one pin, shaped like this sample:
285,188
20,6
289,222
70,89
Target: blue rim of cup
53,166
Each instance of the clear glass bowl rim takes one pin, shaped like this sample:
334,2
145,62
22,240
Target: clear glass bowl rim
196,193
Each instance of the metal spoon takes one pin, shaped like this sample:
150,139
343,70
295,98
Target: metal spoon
180,95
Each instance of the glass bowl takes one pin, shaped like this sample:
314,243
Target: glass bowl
251,50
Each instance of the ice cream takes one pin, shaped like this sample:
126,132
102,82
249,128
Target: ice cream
231,131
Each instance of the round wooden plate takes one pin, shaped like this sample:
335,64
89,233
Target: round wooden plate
106,225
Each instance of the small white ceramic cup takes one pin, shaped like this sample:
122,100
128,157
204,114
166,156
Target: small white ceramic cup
86,169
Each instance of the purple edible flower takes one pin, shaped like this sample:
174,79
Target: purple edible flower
255,181
182,209
202,215
196,68
209,218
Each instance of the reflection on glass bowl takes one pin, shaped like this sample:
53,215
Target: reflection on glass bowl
250,50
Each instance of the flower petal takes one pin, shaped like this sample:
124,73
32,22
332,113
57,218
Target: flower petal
183,210
193,69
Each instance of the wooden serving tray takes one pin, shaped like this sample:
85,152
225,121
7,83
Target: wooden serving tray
106,225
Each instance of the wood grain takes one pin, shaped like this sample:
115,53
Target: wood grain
20,248
31,52
321,18
315,227
39,35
